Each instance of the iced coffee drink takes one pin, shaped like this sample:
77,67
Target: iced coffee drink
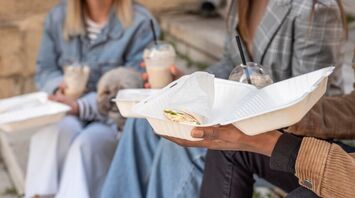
258,77
75,78
158,60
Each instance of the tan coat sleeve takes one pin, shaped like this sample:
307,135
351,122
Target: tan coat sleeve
326,169
331,117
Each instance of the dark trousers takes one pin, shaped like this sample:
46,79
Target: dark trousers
230,174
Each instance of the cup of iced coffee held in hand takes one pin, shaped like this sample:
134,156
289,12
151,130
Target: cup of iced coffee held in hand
75,78
158,59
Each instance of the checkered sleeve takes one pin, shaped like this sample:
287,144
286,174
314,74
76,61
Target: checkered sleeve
318,38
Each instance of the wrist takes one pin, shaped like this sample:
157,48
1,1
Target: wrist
75,108
263,143
285,152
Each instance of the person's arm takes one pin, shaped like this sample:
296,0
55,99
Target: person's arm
331,117
317,43
48,74
88,108
322,167
141,38
225,65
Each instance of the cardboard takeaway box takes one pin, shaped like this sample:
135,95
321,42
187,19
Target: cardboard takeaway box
28,111
223,102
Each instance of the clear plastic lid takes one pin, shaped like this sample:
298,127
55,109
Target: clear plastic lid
162,50
258,76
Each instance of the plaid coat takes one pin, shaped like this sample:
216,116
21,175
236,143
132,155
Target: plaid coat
289,42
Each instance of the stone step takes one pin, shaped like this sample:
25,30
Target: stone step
17,10
197,39
349,7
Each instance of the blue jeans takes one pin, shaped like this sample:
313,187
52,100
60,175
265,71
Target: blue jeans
145,165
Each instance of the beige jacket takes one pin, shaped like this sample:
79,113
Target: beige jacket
323,167
326,169
331,117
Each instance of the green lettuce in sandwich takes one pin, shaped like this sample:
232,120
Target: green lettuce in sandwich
182,117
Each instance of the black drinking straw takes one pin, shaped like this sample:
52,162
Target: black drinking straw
154,33
237,38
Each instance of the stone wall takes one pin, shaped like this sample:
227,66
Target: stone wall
21,24
19,41
158,6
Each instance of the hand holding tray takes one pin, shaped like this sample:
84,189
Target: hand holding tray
252,110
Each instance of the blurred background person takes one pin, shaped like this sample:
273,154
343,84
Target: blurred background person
72,159
282,36
301,165
293,163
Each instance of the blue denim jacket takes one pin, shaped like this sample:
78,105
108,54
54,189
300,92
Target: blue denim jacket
114,47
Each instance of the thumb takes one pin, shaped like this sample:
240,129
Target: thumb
208,133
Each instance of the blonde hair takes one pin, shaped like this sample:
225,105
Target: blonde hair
74,24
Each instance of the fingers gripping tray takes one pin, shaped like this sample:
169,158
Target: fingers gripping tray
223,102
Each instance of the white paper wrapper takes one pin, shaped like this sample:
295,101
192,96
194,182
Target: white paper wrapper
252,110
29,111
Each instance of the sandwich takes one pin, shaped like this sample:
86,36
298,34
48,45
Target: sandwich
182,117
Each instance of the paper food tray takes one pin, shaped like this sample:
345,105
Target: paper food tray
31,110
252,110
127,98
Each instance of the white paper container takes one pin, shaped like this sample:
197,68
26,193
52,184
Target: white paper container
252,110
127,98
30,110
286,116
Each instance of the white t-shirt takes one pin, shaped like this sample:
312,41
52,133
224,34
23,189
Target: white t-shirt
93,29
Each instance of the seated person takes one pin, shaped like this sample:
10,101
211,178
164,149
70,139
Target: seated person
302,166
280,35
72,158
